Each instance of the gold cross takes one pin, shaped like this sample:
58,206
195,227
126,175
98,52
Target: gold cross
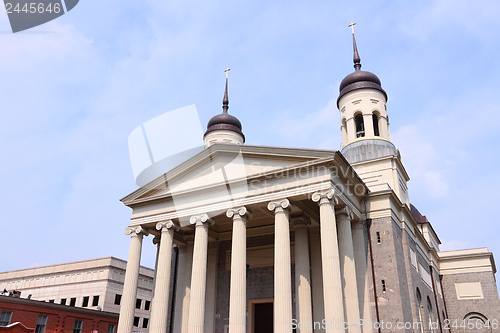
227,71
352,26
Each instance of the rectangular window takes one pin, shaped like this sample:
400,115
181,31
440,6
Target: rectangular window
78,326
85,302
95,300
118,299
41,324
136,321
111,328
72,301
145,323
425,276
138,303
147,305
63,301
52,300
384,289
378,237
5,318
413,258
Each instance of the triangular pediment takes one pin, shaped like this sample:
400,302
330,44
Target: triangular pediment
221,164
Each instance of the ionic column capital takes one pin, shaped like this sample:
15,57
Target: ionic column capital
198,220
279,206
240,212
325,197
344,211
166,225
301,221
359,224
136,231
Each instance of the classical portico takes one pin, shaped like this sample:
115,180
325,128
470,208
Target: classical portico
264,237
260,219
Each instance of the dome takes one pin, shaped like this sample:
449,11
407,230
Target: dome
359,80
224,121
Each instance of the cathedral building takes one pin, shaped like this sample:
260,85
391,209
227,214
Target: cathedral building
270,239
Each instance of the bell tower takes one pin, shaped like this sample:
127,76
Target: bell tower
366,139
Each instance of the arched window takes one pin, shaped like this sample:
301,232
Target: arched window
360,125
429,315
478,322
419,312
445,324
376,130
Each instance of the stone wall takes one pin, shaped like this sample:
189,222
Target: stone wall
487,306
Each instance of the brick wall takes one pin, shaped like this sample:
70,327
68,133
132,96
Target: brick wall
61,318
489,306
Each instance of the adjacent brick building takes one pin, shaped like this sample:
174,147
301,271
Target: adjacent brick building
89,284
25,315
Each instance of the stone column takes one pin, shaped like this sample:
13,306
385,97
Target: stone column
317,278
211,296
348,269
159,309
282,266
303,304
238,284
183,292
358,239
368,120
351,129
156,241
332,279
127,306
198,274
382,125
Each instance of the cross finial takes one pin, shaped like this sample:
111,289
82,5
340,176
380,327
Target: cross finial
225,100
356,58
352,26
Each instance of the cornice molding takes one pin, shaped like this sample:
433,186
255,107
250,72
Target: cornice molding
308,190
225,205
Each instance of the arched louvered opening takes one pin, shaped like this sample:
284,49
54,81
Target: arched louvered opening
360,125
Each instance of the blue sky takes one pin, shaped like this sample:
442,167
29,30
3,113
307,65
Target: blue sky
72,90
